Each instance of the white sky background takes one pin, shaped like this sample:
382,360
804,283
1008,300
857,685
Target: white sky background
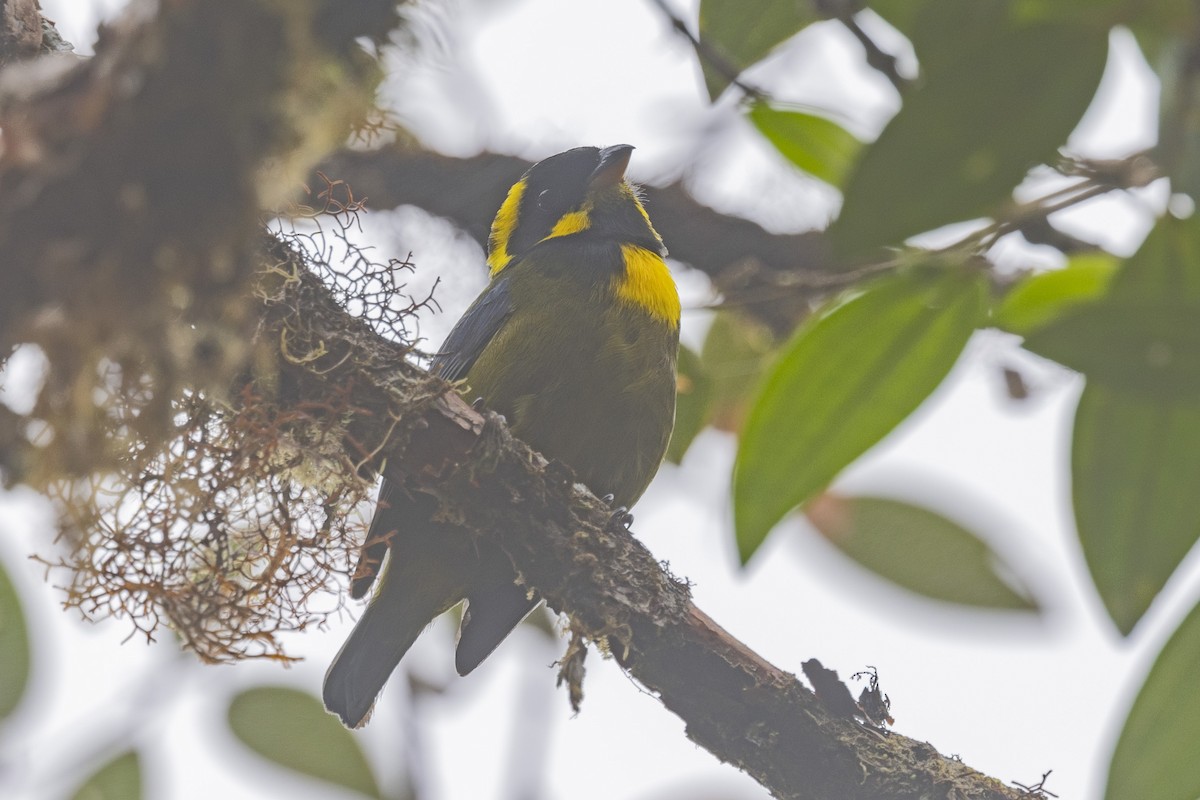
1014,696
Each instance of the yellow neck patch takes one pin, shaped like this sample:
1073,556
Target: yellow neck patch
574,222
502,229
648,285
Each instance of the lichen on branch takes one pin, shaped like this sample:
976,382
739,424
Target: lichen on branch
192,484
243,522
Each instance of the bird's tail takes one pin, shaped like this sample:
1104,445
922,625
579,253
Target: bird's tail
493,610
413,593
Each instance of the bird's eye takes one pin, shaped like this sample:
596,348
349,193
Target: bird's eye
543,199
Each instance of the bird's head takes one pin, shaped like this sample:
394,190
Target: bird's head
580,192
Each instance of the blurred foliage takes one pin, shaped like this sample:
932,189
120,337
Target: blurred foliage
734,34
1136,443
817,145
14,646
1001,86
848,377
693,402
1155,758
292,729
1134,464
1134,348
1042,297
119,779
736,352
1177,63
919,550
995,98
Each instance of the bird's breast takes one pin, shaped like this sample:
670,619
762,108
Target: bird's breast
587,379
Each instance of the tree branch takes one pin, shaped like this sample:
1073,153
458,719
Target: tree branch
877,59
558,536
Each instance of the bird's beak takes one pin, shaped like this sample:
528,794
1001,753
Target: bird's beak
611,169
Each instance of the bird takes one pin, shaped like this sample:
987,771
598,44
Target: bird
574,342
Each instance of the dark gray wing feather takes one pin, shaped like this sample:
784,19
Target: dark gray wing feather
472,333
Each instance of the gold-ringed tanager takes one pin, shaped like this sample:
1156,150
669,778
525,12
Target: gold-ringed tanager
574,341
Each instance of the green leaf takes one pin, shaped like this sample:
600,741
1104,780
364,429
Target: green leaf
735,354
693,403
1136,348
292,729
1178,147
996,99
1044,297
1106,13
119,779
1155,757
817,145
846,379
14,647
1152,21
917,549
1166,268
1142,337
900,14
1158,27
1134,463
743,31
1136,448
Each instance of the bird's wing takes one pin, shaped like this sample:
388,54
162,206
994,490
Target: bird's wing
481,322
471,334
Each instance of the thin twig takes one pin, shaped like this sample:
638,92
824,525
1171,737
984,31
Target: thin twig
821,283
1033,210
979,241
879,60
711,55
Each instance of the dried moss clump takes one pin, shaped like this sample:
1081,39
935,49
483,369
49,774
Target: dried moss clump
241,526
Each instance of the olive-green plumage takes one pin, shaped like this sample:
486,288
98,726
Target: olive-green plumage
574,341
593,385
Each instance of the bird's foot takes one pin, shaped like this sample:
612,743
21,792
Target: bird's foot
621,517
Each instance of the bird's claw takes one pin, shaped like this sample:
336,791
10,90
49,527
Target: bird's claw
621,517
